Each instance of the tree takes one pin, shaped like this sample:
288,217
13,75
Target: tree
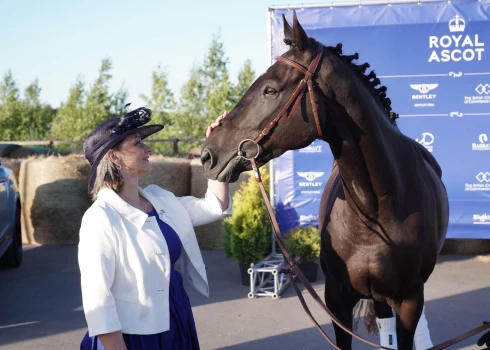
119,102
246,77
205,95
23,119
84,110
161,100
68,124
216,80
162,103
99,100
34,118
9,107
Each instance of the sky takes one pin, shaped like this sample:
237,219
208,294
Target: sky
57,41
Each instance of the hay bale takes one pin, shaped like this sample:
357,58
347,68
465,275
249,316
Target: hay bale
172,174
54,198
484,258
194,153
209,236
12,164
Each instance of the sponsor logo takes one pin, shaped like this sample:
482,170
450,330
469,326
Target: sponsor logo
483,177
483,219
483,97
483,184
424,95
483,89
312,149
483,145
456,46
424,88
307,219
426,140
311,176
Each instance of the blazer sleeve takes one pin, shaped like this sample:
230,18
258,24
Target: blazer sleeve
96,259
205,210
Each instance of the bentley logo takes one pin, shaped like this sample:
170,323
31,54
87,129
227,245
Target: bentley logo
311,175
424,88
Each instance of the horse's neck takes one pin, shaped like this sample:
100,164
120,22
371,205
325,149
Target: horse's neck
367,159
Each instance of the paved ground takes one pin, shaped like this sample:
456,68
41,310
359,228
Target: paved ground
40,303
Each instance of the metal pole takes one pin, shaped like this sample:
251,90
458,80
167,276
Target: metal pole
270,61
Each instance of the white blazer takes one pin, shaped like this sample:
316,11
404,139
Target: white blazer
124,259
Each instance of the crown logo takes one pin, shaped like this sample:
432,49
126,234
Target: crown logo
457,24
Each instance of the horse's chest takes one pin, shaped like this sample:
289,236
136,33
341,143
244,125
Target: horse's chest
363,258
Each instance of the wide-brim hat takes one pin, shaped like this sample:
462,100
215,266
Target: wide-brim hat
111,132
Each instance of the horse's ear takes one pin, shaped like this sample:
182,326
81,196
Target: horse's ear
300,38
288,32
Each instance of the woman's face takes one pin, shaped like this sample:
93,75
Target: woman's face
133,155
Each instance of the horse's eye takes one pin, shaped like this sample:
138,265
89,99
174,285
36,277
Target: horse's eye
270,91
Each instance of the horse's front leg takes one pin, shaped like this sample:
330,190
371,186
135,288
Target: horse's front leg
341,306
409,311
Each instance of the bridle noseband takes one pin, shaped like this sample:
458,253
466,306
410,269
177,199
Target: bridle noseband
295,98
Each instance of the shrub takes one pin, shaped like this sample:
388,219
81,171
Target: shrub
247,233
304,242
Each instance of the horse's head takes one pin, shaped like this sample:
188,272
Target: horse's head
226,151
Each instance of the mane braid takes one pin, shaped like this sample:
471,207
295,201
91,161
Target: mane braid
370,80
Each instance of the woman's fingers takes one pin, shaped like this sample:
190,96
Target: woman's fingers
216,123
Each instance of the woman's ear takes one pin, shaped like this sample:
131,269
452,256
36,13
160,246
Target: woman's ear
112,156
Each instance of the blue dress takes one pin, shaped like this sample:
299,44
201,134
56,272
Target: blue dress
182,334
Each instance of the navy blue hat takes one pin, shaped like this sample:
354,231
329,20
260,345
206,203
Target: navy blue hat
111,132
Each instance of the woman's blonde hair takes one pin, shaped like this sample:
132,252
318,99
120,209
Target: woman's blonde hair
107,176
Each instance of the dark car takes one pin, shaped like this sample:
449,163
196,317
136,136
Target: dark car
10,229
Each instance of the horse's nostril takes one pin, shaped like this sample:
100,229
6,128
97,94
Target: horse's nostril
205,156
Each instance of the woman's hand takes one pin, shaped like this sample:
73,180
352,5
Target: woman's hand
216,123
220,189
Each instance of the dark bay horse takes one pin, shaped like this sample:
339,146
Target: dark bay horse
384,212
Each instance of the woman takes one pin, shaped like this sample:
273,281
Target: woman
130,240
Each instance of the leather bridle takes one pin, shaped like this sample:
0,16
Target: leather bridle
292,269
295,98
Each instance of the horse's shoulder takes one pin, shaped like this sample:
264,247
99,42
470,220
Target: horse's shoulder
427,156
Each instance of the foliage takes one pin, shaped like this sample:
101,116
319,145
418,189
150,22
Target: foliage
208,93
23,119
304,242
162,103
84,110
204,96
246,77
247,233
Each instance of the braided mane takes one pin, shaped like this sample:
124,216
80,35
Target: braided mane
370,80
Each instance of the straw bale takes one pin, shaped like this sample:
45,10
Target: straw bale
484,258
209,236
54,199
172,174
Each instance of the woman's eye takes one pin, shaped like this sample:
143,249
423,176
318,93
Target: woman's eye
270,91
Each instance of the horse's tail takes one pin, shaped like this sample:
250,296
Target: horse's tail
366,306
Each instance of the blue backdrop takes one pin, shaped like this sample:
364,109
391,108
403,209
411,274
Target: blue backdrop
434,57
